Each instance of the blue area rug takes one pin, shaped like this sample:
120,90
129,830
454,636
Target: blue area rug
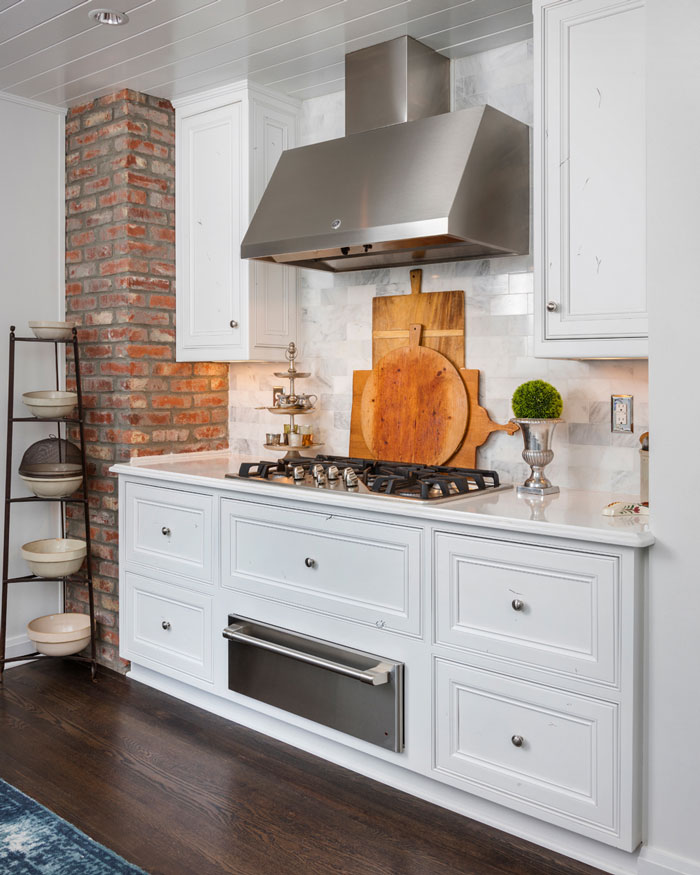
35,841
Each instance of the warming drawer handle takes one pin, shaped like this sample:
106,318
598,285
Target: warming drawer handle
378,674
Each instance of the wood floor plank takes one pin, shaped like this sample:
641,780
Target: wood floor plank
177,791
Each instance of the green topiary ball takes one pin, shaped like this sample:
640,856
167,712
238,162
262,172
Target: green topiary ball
537,400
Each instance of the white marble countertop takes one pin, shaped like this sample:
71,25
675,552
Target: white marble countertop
570,514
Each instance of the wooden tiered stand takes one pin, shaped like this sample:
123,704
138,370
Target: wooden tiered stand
82,576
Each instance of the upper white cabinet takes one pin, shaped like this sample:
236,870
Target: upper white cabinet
590,299
228,142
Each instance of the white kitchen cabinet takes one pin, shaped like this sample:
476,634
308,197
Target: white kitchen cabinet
228,142
589,199
505,634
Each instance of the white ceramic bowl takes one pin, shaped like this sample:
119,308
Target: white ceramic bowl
54,557
53,487
51,403
60,634
52,330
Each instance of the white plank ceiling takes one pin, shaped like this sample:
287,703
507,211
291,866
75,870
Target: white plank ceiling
51,51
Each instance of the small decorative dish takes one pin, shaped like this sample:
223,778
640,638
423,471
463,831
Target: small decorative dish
51,403
54,557
60,634
53,487
52,330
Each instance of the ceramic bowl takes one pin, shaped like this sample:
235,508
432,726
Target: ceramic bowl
54,557
52,330
51,403
51,470
53,487
60,634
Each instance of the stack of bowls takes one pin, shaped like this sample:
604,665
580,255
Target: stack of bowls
60,634
54,557
52,330
50,403
57,480
52,468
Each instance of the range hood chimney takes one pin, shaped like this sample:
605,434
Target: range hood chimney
410,183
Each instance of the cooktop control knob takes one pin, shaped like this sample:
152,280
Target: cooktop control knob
350,478
298,472
321,478
332,472
318,471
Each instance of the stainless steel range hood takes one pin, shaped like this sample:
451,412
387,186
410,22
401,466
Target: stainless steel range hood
421,188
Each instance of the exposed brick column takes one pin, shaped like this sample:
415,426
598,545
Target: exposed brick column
120,287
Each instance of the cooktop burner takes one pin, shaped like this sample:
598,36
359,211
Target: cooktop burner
373,477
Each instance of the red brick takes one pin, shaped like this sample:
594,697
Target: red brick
82,206
181,401
194,417
162,268
172,369
97,118
207,432
97,252
211,369
146,283
82,238
80,108
81,172
97,351
161,201
166,302
98,150
100,417
162,234
198,385
145,215
141,419
100,218
122,265
74,288
210,400
124,368
151,182
73,255
95,185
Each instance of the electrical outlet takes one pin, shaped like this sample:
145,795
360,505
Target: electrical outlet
621,413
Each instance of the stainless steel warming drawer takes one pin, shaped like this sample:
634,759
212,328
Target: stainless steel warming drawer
354,692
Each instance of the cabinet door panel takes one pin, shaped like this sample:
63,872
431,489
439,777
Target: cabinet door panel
549,752
274,302
210,229
590,161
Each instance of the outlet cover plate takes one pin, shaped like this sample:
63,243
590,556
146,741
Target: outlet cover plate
621,414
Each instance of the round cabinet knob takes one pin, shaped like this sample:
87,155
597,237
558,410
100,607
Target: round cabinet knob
552,306
517,605
233,323
166,531
517,740
309,562
165,624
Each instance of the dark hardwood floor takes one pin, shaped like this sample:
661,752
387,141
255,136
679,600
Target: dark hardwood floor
179,791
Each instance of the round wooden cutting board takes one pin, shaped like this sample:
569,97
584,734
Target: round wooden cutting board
414,406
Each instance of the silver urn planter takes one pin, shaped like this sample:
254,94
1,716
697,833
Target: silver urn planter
537,435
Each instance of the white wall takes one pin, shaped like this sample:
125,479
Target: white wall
31,287
673,231
335,333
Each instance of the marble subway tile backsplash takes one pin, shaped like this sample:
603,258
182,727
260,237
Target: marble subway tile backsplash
335,329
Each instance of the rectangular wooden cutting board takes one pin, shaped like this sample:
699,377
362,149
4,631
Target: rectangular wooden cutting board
440,313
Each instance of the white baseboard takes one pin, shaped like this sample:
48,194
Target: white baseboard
655,862
18,645
554,838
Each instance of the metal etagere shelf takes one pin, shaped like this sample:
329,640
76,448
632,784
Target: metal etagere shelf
82,576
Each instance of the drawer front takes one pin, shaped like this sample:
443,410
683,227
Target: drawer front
566,764
170,530
359,570
167,627
554,609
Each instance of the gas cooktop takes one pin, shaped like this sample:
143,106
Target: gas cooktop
432,483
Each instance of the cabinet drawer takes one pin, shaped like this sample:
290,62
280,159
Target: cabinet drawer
566,764
356,569
169,530
167,627
555,609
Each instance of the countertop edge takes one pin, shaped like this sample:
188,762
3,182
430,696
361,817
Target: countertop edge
432,514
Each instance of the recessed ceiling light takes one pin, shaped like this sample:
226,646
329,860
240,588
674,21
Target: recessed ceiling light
108,16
